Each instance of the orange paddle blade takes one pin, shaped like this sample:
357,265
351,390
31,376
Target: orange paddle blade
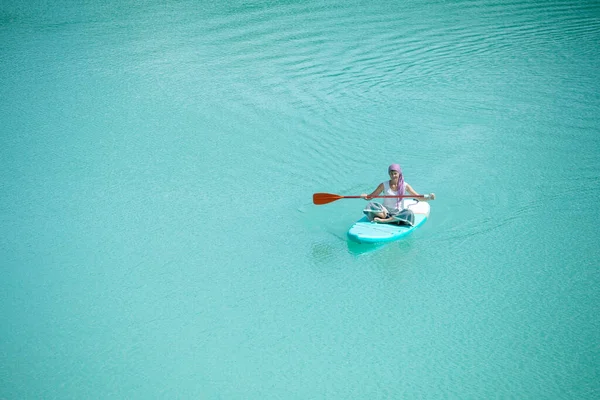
325,198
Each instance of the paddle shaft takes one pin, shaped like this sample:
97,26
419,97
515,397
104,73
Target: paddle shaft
325,198
384,197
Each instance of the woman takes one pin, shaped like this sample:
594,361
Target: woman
392,208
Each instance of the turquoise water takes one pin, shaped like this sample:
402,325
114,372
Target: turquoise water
158,235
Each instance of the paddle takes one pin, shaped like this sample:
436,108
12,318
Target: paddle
325,198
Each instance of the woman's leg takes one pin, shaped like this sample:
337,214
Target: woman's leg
376,210
384,220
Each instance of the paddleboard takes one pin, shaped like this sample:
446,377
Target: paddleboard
365,231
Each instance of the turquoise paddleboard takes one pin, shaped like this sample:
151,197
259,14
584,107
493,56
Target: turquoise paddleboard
364,231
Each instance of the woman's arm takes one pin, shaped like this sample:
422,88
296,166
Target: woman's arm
430,196
410,190
376,192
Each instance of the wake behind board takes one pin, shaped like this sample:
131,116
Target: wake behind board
364,231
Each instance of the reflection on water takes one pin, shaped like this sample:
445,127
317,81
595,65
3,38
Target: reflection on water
324,253
358,249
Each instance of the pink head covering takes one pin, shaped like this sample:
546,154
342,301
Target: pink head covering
396,167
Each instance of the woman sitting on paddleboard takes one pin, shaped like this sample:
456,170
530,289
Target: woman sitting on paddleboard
392,209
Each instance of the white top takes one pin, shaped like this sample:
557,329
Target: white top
389,203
